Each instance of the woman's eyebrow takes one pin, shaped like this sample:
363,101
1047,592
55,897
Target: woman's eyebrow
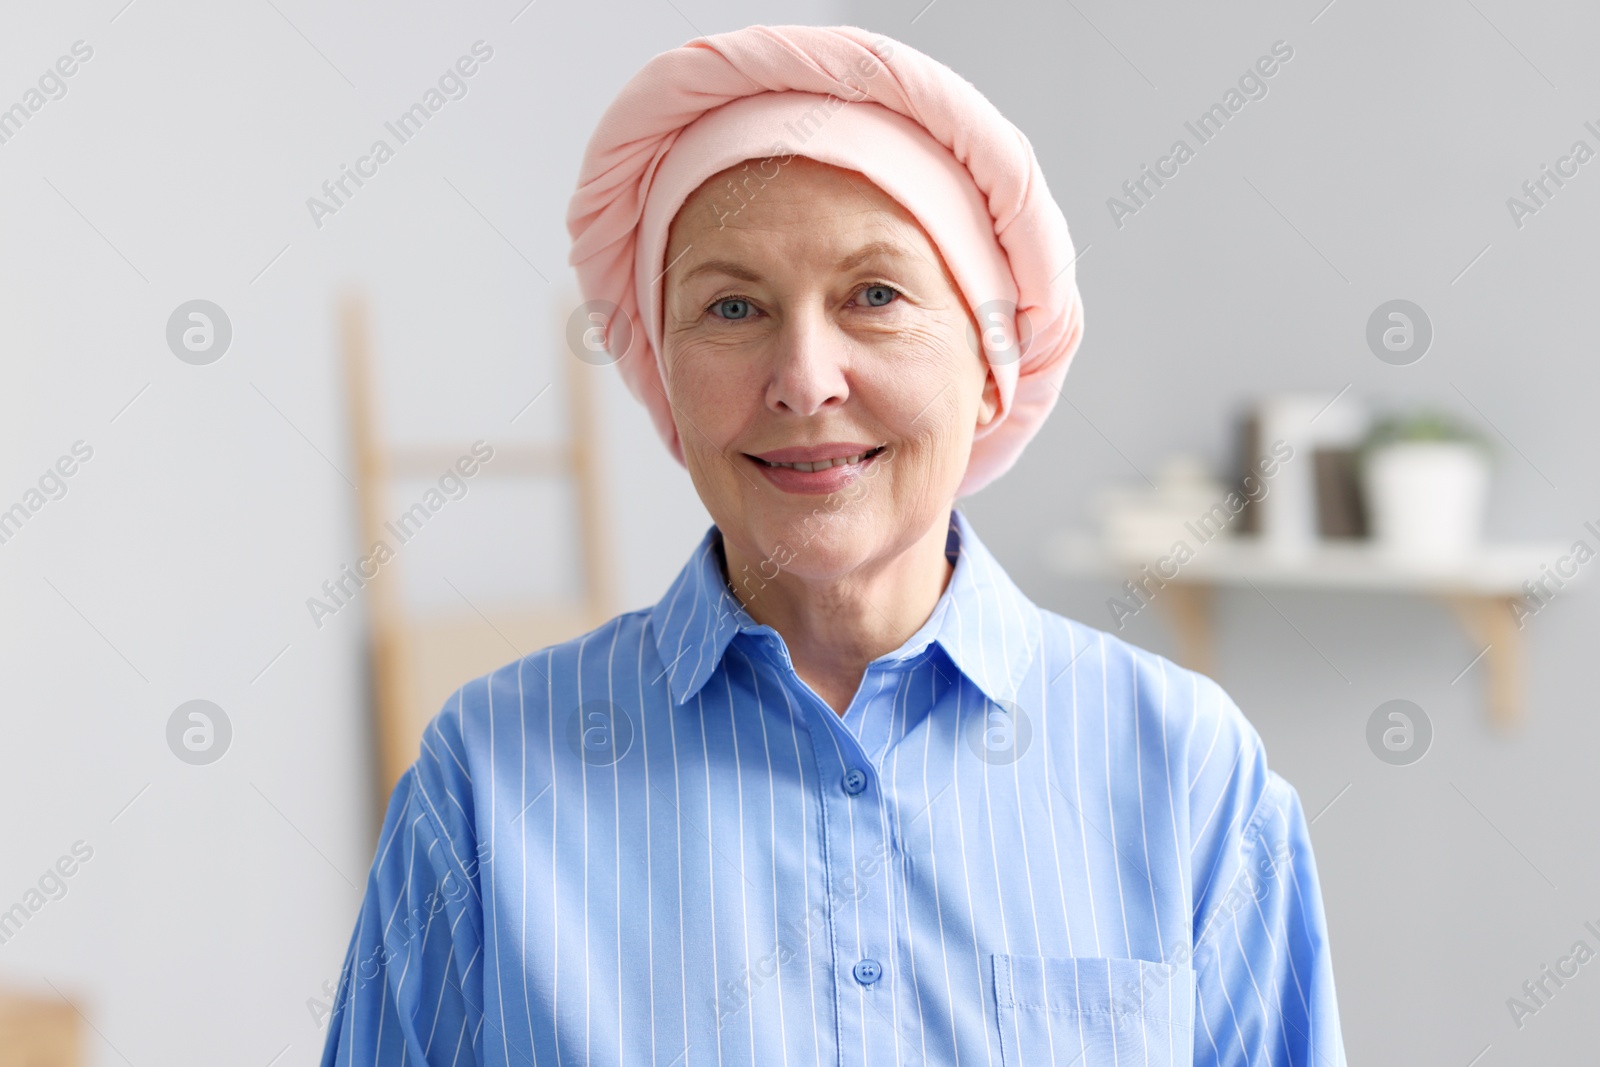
722,266
874,250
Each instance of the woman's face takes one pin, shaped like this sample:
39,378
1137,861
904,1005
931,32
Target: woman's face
808,317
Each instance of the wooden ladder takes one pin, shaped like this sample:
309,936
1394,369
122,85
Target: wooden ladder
417,660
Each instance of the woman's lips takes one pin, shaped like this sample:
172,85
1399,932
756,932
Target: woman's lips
828,480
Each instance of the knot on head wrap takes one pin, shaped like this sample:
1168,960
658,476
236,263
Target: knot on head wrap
863,102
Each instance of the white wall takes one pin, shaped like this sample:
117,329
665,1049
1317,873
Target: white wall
1391,142
178,563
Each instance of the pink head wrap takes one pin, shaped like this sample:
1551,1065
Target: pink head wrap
859,101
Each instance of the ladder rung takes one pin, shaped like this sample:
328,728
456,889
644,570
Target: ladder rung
509,460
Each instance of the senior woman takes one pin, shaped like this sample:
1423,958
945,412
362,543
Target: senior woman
844,795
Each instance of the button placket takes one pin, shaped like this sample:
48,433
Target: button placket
859,865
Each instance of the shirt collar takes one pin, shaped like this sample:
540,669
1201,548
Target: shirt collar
986,625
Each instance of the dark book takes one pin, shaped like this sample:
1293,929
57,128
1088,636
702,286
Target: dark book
1341,512
1247,450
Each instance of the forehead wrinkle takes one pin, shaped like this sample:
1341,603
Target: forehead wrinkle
785,215
780,210
879,249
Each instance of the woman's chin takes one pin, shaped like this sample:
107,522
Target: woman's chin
812,551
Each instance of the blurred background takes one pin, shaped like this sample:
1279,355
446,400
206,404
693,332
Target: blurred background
214,390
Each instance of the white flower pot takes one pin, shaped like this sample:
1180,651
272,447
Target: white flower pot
1426,501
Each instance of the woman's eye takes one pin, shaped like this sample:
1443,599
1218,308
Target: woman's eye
878,295
734,307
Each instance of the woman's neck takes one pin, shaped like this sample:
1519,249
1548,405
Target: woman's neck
835,627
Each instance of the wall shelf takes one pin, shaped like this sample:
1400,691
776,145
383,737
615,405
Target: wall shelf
1481,591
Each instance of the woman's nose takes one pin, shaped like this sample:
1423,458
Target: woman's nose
808,370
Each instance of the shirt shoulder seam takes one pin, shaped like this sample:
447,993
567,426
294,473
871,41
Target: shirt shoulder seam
1273,800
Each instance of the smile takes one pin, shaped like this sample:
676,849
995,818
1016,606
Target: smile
824,464
821,475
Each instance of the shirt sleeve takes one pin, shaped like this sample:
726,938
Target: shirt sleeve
1262,963
408,990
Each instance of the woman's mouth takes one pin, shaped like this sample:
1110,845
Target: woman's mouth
825,475
824,464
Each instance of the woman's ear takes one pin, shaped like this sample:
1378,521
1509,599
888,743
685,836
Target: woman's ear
989,402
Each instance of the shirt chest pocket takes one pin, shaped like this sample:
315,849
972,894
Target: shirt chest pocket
1092,1011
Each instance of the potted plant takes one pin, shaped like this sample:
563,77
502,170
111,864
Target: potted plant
1425,476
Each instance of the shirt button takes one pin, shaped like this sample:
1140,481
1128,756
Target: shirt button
868,971
854,781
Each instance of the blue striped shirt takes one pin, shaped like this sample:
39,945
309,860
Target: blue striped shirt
1024,842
